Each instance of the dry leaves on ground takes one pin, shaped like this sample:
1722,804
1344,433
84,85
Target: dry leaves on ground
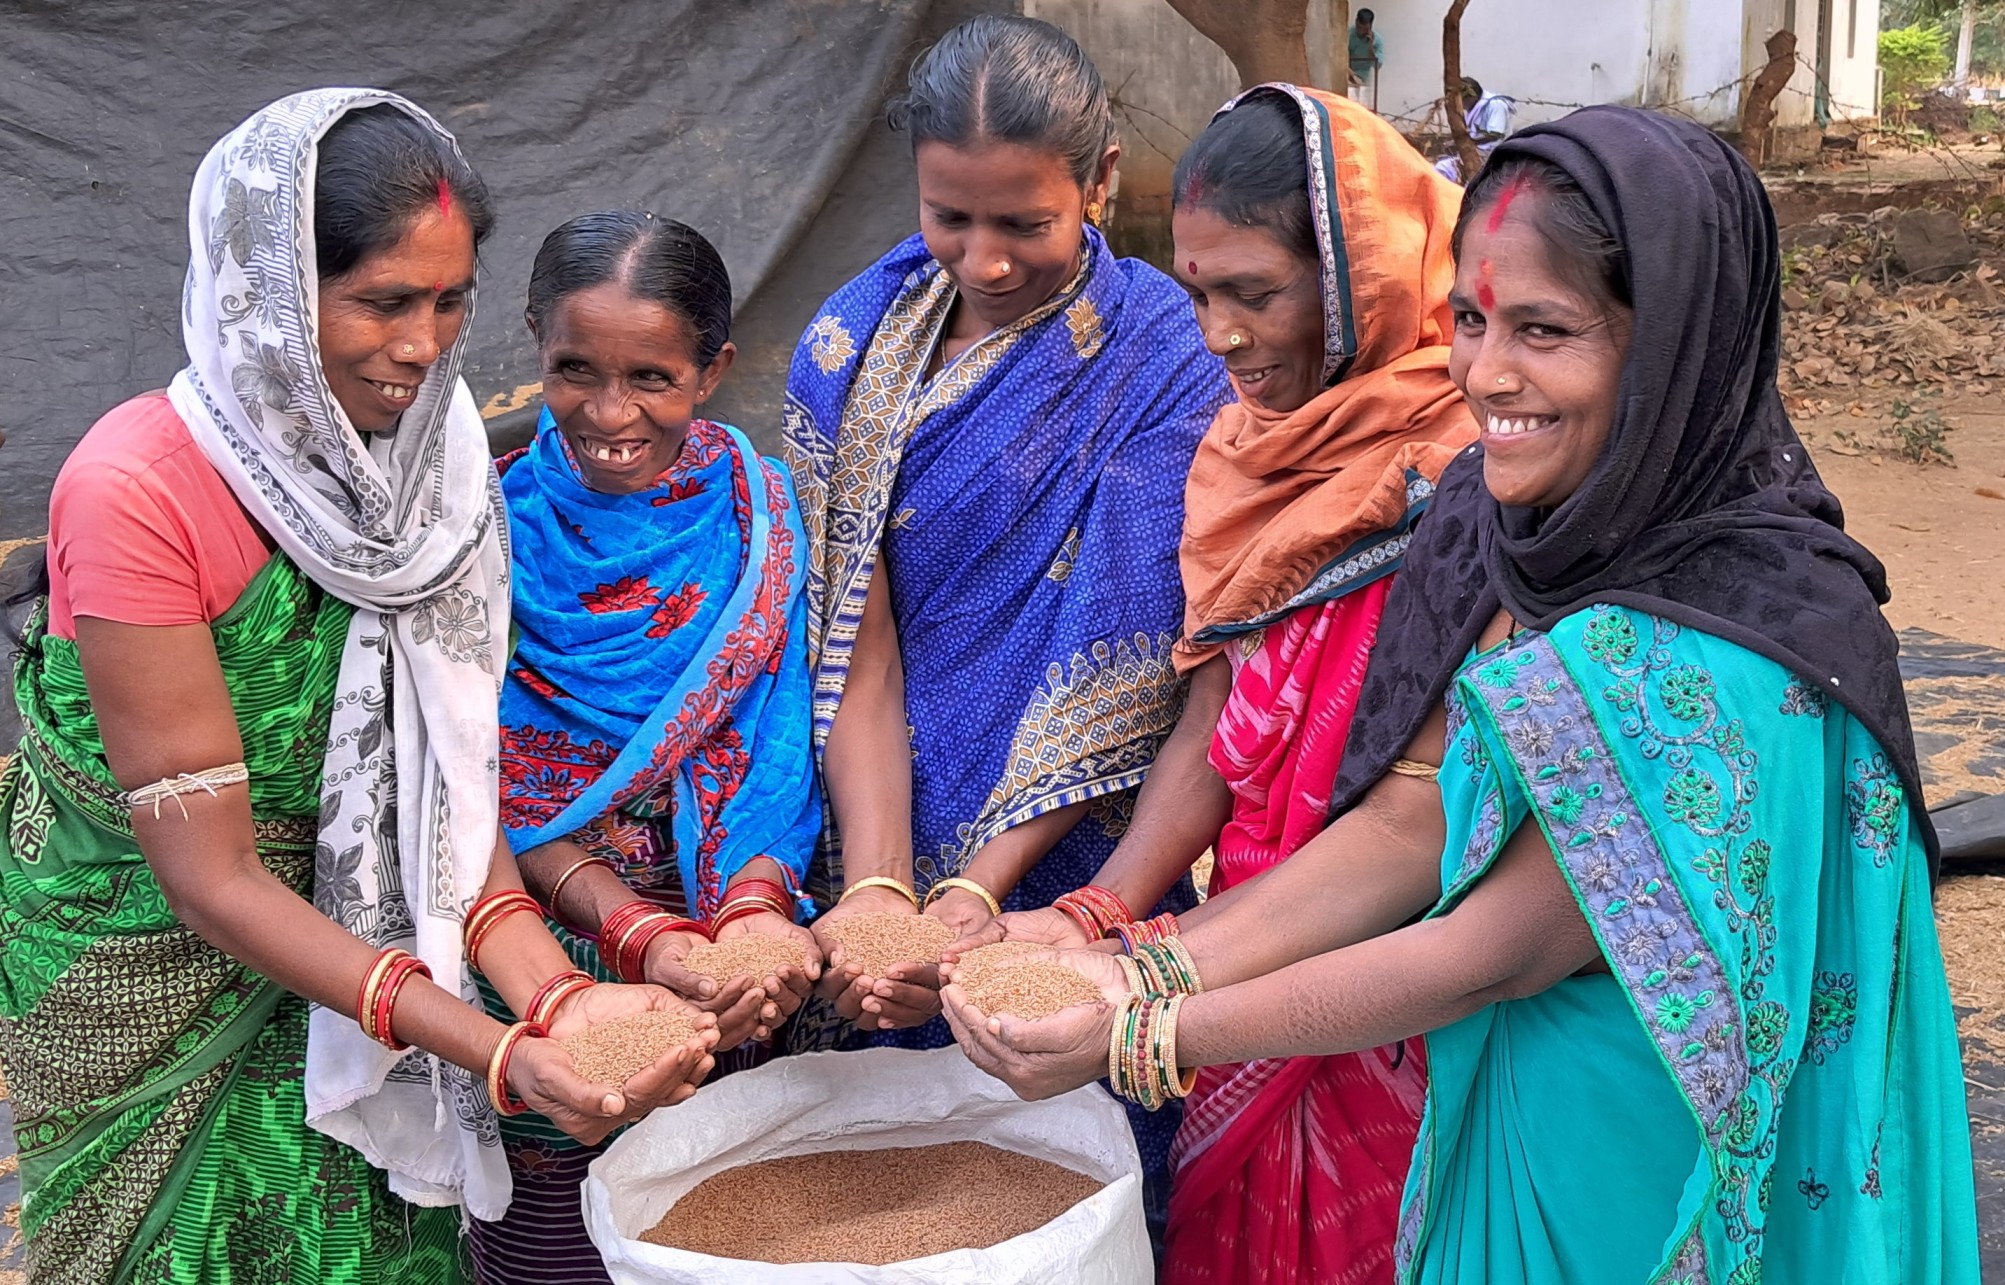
1970,916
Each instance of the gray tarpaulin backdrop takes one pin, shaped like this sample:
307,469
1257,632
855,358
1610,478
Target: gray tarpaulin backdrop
757,121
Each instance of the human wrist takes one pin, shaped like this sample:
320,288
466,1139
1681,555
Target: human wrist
878,899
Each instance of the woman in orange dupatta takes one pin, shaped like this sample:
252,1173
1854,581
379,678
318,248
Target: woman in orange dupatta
1314,243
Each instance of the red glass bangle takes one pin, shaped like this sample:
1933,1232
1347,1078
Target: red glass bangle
533,1012
487,915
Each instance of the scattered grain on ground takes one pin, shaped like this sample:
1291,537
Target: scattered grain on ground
983,958
879,942
1970,916
749,956
872,1207
612,1052
1029,988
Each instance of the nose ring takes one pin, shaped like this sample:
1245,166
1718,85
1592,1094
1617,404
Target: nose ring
1235,339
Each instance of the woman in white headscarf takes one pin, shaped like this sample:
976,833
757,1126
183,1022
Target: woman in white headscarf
248,850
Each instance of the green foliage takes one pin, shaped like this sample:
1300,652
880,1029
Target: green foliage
1918,433
1912,59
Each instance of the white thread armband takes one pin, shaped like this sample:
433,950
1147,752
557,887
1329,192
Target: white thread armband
207,781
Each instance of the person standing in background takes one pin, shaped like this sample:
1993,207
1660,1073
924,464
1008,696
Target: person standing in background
1367,56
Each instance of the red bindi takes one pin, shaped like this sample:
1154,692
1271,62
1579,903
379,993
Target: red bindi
1484,294
445,199
438,287
1503,205
1192,267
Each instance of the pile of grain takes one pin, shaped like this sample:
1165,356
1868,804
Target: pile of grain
982,958
879,942
1028,988
752,956
872,1207
613,1052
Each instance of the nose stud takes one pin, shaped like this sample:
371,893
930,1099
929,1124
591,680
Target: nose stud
411,348
1235,339
1500,381
1005,269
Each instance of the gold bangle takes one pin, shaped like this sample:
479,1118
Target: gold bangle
557,886
881,881
934,893
1417,770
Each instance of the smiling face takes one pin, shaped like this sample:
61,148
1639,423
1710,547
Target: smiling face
386,320
1246,284
1004,220
1539,362
622,380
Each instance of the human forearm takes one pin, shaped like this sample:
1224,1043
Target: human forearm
867,764
1005,860
1182,806
1371,871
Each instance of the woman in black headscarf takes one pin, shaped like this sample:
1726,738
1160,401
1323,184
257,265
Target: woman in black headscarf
1634,745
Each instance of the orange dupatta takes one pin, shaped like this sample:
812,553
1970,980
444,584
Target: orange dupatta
1283,510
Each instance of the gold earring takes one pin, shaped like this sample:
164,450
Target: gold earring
1093,212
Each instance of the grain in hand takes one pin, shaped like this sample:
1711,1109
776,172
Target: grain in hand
753,956
870,1207
1029,988
878,942
614,1052
982,958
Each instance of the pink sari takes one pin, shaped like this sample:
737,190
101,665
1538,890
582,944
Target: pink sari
1291,1169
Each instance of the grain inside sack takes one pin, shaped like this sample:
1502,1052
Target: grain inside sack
752,956
613,1052
870,1207
877,943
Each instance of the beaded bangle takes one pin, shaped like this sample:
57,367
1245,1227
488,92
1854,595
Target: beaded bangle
544,1003
881,881
1094,909
497,1067
1167,968
1142,1053
486,916
557,886
944,886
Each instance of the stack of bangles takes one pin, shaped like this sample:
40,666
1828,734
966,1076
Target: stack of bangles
752,896
628,931
550,996
1160,970
1096,910
1142,1052
1160,928
486,916
497,1067
381,985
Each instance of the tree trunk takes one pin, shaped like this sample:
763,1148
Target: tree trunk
1757,113
1964,36
1451,98
1340,47
1265,39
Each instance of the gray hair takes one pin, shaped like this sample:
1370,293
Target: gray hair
997,78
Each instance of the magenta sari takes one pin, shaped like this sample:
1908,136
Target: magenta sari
1291,1169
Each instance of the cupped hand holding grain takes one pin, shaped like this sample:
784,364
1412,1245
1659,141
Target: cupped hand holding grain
872,1002
609,1001
1039,1059
741,1005
541,1074
788,986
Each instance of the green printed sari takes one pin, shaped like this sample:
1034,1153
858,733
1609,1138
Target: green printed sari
1765,1085
157,1082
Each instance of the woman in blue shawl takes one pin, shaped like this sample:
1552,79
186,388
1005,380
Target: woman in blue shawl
1634,750
990,428
657,785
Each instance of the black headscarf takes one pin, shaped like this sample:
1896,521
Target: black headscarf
1704,507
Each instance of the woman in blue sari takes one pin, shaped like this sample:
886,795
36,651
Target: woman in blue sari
990,429
656,781
1634,748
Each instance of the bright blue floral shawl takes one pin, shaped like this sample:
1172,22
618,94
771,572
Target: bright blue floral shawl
1027,500
661,665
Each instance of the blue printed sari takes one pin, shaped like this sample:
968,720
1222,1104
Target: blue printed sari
655,714
1026,503
1765,1085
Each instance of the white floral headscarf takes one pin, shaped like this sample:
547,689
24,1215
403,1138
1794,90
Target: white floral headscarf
409,527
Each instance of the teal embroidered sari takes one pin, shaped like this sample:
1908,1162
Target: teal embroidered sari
1767,1083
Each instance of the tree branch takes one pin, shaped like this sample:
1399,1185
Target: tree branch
1451,98
1265,39
1757,112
